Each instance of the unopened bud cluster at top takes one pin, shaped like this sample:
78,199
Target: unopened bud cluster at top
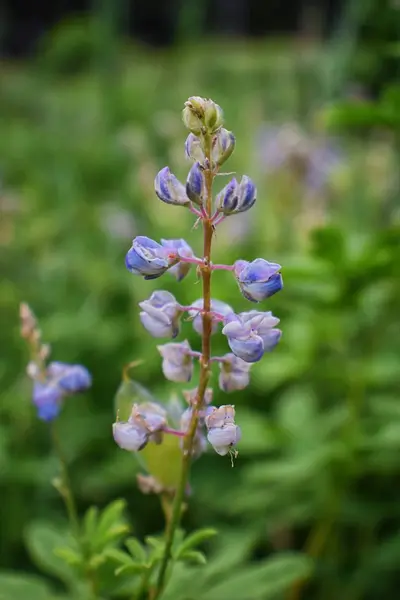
249,334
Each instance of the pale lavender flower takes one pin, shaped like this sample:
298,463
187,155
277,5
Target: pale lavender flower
148,258
169,189
251,334
145,424
130,436
259,279
181,248
47,397
177,364
287,146
61,379
217,306
161,314
70,378
223,433
235,373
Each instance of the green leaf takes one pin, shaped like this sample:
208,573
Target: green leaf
155,543
262,581
69,555
136,549
195,539
129,393
42,540
194,556
112,515
18,586
118,556
90,522
131,569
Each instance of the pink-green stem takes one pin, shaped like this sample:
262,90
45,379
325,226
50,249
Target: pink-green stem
223,267
174,432
206,272
190,259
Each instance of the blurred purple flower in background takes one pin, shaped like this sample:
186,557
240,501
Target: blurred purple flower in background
315,158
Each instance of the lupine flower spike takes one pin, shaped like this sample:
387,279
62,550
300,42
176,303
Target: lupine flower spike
249,334
54,381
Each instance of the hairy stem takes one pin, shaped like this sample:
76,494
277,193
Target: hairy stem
206,272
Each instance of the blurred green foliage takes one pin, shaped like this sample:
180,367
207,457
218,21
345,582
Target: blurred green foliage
319,465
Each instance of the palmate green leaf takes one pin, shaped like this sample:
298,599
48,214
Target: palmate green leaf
131,569
42,541
69,555
118,556
90,521
20,586
261,581
194,556
136,549
195,539
110,526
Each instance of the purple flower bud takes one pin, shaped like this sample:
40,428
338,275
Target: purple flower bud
234,374
216,306
251,334
195,184
130,436
70,378
193,148
182,248
223,146
47,397
258,279
222,431
169,189
148,258
177,364
236,197
160,314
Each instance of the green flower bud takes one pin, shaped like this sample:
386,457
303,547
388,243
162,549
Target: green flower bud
202,115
